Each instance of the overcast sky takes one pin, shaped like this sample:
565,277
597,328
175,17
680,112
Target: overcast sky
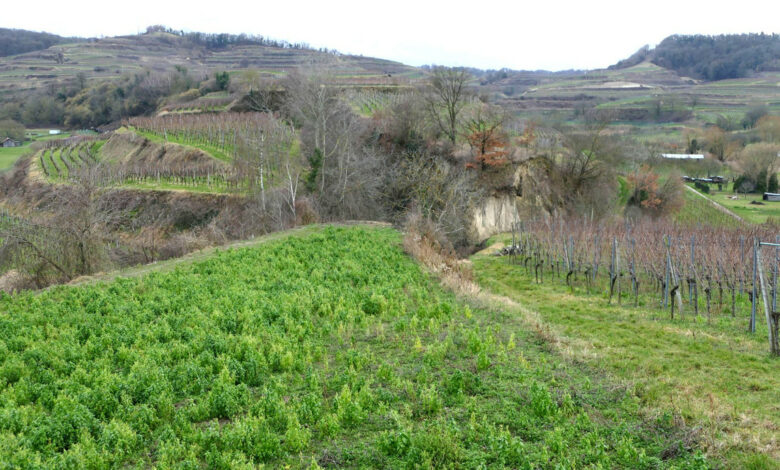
543,34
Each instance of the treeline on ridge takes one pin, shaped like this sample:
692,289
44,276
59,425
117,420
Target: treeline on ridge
712,57
223,40
19,41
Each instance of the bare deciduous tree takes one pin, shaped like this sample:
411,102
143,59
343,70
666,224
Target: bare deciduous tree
758,159
320,110
443,193
262,154
446,97
68,244
484,132
582,161
572,171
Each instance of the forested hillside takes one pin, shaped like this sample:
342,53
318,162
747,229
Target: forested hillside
19,41
712,57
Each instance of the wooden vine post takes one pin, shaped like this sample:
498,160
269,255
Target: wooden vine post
772,317
672,293
754,296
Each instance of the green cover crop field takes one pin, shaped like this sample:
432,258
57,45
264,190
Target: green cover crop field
329,349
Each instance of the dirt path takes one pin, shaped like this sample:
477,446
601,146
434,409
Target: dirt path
717,205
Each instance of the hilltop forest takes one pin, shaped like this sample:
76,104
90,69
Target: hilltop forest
712,57
19,41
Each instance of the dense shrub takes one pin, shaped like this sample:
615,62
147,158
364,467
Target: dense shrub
744,184
19,41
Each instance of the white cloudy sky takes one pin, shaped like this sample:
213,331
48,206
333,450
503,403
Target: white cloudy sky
543,34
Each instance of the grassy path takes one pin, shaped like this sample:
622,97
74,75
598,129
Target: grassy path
713,377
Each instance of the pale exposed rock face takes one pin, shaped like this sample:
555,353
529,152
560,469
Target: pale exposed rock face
494,215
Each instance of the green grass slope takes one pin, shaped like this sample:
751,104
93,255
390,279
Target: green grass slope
9,156
131,147
751,207
332,349
710,373
698,210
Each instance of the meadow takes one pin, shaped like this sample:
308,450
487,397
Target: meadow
9,156
327,348
750,207
707,370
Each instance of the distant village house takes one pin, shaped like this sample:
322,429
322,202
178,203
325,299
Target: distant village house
9,142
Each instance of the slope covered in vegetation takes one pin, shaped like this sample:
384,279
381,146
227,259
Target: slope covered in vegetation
106,60
329,350
712,57
719,57
19,41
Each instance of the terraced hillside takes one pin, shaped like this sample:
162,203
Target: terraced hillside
642,92
109,58
130,160
9,155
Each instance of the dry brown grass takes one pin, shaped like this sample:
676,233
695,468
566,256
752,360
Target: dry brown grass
13,281
424,243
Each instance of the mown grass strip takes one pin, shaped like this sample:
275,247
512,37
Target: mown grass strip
716,376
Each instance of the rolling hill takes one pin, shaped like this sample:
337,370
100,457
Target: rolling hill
109,58
684,77
644,92
712,57
637,89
